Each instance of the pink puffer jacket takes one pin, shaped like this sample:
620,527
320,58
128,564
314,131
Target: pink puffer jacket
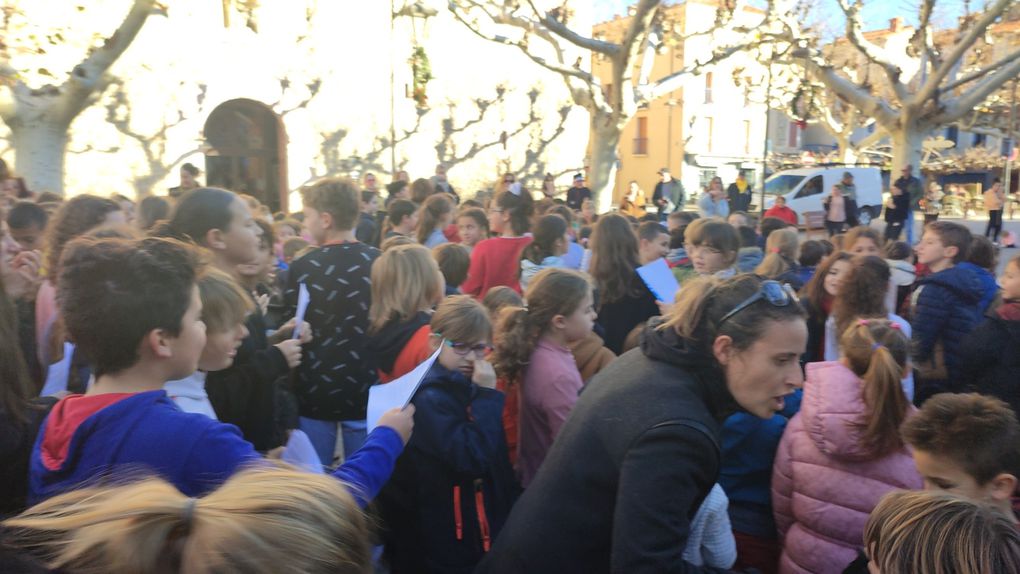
824,482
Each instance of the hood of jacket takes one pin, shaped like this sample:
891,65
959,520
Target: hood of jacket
902,273
833,411
748,258
530,268
989,286
385,346
962,280
667,346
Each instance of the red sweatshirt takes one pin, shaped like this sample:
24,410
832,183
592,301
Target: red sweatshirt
495,262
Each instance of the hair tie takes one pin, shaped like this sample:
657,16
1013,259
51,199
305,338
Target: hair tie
774,250
896,326
188,512
862,322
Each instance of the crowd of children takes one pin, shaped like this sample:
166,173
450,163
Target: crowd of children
156,363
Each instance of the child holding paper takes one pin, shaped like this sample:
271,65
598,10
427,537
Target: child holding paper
533,347
332,384
453,488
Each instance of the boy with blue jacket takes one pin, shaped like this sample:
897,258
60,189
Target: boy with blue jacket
133,310
946,306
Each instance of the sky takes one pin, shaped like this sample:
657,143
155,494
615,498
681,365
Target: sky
876,13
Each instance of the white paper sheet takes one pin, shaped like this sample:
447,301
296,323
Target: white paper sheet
660,280
397,393
301,453
302,306
58,374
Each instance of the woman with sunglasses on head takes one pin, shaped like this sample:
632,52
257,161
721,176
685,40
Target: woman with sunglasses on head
453,487
640,451
843,452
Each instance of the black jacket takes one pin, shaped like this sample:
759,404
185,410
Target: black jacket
16,442
738,201
576,196
628,471
990,360
453,483
245,394
899,210
618,318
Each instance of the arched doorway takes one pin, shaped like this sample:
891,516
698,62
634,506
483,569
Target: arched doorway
246,151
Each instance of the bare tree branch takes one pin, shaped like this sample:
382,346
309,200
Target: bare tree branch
955,56
978,74
561,30
874,54
979,93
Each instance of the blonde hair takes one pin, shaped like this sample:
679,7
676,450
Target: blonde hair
224,302
461,319
266,519
405,280
940,533
876,350
780,251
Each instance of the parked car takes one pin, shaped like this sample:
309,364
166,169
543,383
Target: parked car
806,188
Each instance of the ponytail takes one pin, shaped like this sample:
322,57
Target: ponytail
432,212
876,351
780,249
275,517
552,292
549,229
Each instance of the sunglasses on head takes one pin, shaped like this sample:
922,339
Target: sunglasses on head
776,293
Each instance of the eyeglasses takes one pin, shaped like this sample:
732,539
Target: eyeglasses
776,293
480,350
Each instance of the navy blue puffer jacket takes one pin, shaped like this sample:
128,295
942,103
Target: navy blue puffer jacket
948,308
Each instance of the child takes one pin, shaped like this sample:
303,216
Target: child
472,226
532,346
224,308
939,532
862,295
150,526
990,362
496,261
820,296
575,252
134,312
900,258
402,218
712,246
499,297
967,444
244,394
624,300
653,242
366,229
26,222
291,248
750,255
453,260
946,306
436,214
811,253
151,210
679,219
548,245
453,488
780,258
406,286
846,433
332,385
982,260
863,241
781,211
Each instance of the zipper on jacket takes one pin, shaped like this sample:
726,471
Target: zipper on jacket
483,521
458,520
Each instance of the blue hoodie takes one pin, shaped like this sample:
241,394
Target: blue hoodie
86,439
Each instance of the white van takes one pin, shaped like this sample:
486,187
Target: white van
806,188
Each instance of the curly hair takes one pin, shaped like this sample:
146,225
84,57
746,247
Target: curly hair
112,292
74,218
